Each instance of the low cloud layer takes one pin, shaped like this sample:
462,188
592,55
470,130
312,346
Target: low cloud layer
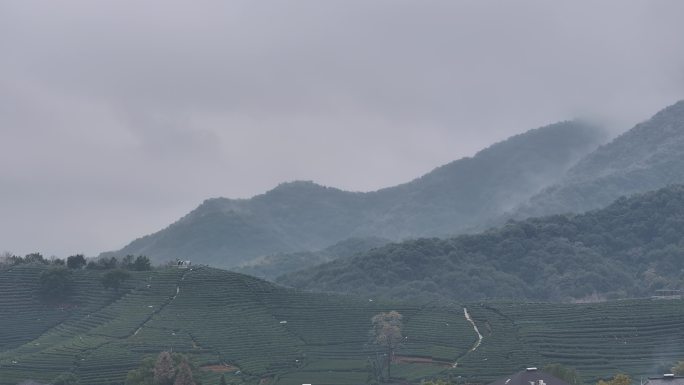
118,117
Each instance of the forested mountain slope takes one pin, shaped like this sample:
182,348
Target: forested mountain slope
271,266
647,157
630,248
302,216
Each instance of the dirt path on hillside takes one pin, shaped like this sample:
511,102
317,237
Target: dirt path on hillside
477,331
165,304
420,360
220,368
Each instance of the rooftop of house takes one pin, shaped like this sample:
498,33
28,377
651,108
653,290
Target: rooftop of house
531,376
666,379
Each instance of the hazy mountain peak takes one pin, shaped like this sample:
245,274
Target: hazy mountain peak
302,215
647,157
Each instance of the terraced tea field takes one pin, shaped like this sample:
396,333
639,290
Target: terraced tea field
260,333
217,318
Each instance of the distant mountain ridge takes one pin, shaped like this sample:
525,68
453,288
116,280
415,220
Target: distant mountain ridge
300,216
647,157
629,249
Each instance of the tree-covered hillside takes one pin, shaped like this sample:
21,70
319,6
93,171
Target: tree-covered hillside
301,216
271,266
628,249
645,158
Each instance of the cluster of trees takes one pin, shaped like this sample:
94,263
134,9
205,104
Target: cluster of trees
9,259
629,249
79,261
56,283
167,369
129,262
618,379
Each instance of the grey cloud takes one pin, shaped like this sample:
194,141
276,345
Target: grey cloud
146,108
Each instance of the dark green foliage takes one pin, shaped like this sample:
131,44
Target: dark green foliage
141,263
9,259
58,262
35,258
76,261
300,216
55,283
127,261
114,278
271,266
629,249
143,375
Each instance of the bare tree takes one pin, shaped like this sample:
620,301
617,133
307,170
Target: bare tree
163,369
184,376
386,332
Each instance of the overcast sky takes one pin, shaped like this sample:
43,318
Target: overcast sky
118,117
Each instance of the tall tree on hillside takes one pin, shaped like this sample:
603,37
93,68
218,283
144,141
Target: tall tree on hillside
386,332
76,261
35,258
127,261
163,369
142,263
184,376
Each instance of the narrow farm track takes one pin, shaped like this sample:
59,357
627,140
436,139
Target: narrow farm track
87,352
477,331
160,308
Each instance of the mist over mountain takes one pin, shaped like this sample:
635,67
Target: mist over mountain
300,216
630,248
647,157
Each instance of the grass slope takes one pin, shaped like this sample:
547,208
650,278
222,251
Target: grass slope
218,317
214,316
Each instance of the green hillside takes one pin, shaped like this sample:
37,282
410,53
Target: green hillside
647,157
301,216
271,266
628,249
214,316
281,336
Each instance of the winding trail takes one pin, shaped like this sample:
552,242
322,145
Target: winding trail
479,336
477,331
142,325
